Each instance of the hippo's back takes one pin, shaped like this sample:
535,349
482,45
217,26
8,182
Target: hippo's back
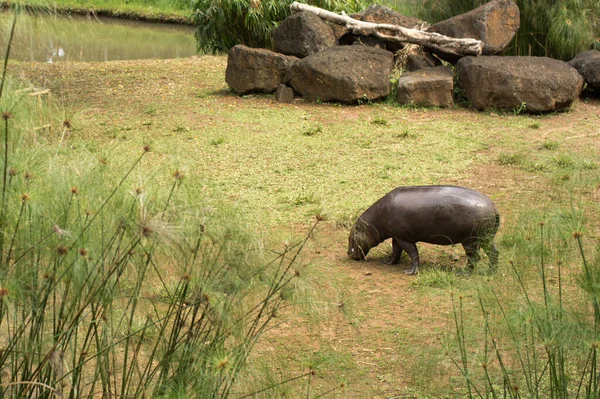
435,214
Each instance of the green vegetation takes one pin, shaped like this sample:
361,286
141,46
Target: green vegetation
557,29
116,278
539,339
226,23
155,10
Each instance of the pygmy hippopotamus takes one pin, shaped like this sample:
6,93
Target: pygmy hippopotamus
443,215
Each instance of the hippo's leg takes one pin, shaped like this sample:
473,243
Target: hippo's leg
411,250
492,253
472,251
396,253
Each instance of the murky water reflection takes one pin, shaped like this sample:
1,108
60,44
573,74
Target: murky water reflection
54,38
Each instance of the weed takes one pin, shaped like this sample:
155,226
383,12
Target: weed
313,130
181,129
379,121
511,159
535,125
150,110
406,133
435,278
564,161
549,145
518,110
217,142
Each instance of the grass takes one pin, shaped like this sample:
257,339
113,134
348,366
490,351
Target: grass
177,11
281,178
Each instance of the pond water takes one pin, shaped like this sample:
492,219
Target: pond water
57,38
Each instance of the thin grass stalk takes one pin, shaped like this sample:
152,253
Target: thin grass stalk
462,347
485,365
513,336
14,236
273,386
107,200
85,304
7,52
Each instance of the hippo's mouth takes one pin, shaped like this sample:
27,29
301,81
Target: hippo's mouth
356,254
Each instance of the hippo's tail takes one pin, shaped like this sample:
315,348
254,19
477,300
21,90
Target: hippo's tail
497,222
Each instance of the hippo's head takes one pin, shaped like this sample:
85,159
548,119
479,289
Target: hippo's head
360,241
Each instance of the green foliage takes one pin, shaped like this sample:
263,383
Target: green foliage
552,28
116,286
223,24
532,341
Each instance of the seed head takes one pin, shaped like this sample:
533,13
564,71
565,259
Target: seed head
6,115
12,172
28,176
138,191
25,197
577,234
74,190
178,175
62,250
319,217
147,231
83,252
297,273
59,232
147,148
187,277
67,124
223,363
3,292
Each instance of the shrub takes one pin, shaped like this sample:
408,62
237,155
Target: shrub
552,28
223,24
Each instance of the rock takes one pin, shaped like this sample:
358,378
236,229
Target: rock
303,34
284,94
431,87
542,84
494,23
379,14
414,62
255,70
342,73
588,65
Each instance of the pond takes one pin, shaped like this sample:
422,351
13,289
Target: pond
59,38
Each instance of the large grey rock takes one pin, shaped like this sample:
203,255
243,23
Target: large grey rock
430,87
494,23
303,34
342,73
588,65
542,84
255,70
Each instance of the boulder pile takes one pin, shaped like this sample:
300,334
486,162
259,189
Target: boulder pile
321,61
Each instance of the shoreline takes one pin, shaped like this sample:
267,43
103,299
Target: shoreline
122,14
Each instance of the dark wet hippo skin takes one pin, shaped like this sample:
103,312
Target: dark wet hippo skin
443,215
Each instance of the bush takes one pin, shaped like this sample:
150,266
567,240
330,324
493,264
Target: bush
552,28
223,24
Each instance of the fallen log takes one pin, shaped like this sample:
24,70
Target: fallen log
436,41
